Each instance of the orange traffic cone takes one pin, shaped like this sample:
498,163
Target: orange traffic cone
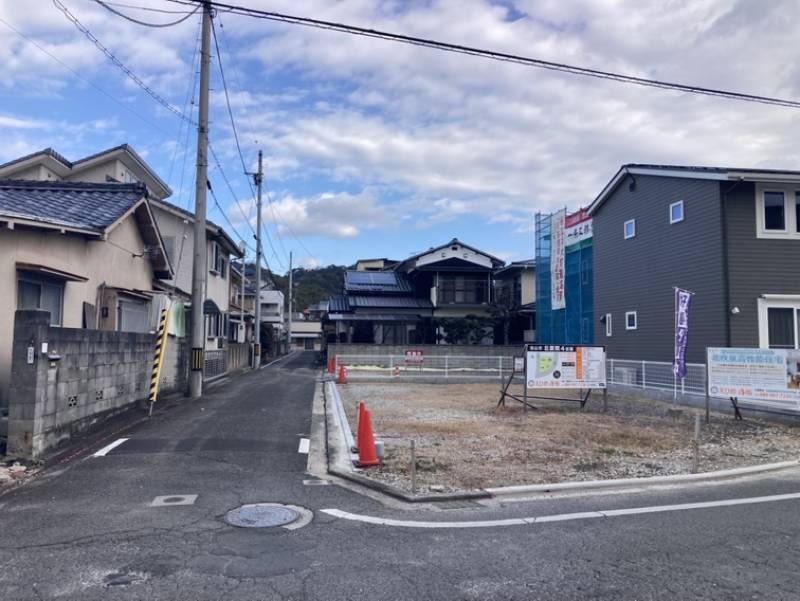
359,412
367,455
342,379
331,365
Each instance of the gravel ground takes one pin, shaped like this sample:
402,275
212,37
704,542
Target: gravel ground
465,442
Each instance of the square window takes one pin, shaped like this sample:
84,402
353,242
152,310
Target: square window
608,324
774,212
676,212
797,212
631,322
630,228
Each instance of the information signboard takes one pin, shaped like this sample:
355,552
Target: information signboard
414,357
769,376
563,366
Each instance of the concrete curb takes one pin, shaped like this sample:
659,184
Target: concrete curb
340,462
638,482
341,466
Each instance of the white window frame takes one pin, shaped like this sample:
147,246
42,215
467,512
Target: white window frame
635,325
679,219
790,231
625,229
609,330
776,301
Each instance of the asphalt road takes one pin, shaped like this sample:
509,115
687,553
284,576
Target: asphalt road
86,530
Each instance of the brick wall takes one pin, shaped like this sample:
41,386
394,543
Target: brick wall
98,375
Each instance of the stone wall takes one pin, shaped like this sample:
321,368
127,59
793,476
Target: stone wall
83,377
432,350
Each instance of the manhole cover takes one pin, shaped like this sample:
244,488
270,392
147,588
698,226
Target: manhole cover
261,515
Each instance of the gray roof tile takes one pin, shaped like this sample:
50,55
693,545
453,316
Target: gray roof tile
79,205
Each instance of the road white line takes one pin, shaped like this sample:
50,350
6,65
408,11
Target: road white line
305,443
564,517
108,448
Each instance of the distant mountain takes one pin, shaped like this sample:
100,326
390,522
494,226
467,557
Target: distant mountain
310,285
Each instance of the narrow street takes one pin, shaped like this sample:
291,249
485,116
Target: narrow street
86,530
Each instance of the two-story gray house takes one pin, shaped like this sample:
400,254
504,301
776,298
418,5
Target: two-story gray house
731,236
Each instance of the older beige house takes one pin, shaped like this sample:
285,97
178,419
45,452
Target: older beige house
86,252
122,164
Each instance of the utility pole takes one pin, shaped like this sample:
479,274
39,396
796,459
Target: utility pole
199,265
258,177
291,292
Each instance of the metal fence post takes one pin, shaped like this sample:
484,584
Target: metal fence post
644,376
446,374
611,379
500,361
413,468
391,363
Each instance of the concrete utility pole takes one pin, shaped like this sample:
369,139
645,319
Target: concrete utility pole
291,291
258,177
199,265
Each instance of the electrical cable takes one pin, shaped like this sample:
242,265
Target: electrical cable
83,79
493,55
146,24
147,8
135,78
230,110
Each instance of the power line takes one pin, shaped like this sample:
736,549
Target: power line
225,217
135,78
83,79
230,188
148,8
494,55
145,23
230,110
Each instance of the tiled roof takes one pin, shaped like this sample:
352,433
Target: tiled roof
390,302
338,304
390,282
77,205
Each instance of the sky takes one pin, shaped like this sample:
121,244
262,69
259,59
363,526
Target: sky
379,149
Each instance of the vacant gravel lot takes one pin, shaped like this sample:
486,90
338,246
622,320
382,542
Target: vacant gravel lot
464,442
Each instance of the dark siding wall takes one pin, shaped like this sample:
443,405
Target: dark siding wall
639,274
756,266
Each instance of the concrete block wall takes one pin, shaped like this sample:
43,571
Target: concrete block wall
97,375
432,350
175,369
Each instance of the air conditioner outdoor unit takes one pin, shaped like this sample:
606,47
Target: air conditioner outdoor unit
625,375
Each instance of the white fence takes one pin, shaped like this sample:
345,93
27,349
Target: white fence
654,375
430,367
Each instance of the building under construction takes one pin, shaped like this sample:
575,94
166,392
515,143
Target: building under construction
564,278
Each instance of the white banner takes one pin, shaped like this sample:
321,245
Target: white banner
557,299
765,376
562,366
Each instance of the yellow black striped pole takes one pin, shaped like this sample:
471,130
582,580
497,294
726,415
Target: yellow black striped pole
158,360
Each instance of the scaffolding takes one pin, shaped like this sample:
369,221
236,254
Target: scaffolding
574,324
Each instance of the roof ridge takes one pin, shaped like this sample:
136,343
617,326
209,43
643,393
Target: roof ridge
69,185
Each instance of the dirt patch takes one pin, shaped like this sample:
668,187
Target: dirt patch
465,442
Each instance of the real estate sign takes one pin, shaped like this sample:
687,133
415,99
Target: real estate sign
577,231
557,249
563,366
768,376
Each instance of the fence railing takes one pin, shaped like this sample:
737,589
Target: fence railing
215,363
446,366
635,374
656,375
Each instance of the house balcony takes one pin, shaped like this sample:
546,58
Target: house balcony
462,294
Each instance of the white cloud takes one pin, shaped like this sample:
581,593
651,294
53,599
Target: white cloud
330,215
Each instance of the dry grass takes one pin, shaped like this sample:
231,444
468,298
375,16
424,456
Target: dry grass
465,442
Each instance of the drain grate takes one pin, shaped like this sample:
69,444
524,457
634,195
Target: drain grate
261,515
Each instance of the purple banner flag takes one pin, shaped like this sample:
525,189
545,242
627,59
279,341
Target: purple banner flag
683,301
